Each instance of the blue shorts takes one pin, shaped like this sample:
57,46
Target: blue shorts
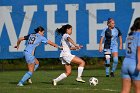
111,50
129,69
29,57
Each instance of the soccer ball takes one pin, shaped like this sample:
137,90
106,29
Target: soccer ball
93,81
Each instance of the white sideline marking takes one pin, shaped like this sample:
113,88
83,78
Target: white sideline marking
64,88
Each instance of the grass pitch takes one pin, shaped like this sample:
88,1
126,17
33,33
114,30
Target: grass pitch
42,82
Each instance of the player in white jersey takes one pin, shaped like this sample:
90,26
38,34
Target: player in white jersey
66,57
131,65
34,40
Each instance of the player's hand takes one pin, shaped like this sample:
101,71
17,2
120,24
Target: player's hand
16,47
120,47
60,47
100,49
138,66
79,47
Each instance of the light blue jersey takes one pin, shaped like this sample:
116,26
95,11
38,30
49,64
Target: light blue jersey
33,41
130,62
111,37
132,42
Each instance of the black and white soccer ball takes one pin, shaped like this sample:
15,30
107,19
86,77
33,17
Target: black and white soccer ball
93,81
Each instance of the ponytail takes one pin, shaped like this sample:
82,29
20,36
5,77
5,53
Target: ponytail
135,26
63,29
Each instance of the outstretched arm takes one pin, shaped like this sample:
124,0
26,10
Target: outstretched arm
18,42
120,37
72,42
100,44
53,44
75,48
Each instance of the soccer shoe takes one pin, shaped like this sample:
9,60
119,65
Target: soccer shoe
79,79
29,81
107,75
54,82
112,74
20,84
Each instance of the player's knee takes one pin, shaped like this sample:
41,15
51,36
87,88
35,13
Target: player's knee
107,56
82,63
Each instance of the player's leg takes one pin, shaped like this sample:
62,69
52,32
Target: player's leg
126,85
63,75
136,79
115,63
107,55
81,64
30,63
136,86
27,74
127,70
36,64
35,68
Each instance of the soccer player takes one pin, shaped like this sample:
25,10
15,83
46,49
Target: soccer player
131,65
66,57
111,34
34,40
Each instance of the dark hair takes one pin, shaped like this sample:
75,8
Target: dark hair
63,29
135,26
109,20
40,28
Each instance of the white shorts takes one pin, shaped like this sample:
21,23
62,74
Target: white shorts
66,59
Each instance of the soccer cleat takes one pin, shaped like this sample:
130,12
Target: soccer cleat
112,74
29,81
20,84
54,82
79,79
107,75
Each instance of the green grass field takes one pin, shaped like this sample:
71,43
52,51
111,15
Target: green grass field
42,82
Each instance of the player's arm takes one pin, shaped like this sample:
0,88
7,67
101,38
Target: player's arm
53,44
19,41
100,44
120,38
72,42
75,48
138,56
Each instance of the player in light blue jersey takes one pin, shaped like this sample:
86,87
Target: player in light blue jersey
34,40
131,65
111,34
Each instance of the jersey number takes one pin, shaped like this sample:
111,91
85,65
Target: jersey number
129,51
31,40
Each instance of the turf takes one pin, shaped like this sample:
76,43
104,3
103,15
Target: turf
42,82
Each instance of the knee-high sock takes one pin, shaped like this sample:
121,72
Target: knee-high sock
36,66
107,66
115,63
25,77
80,71
61,77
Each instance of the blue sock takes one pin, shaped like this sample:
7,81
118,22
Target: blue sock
36,66
115,63
107,68
25,77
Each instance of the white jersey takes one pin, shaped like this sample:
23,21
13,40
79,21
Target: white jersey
66,45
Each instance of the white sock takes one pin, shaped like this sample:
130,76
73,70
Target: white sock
61,77
80,71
